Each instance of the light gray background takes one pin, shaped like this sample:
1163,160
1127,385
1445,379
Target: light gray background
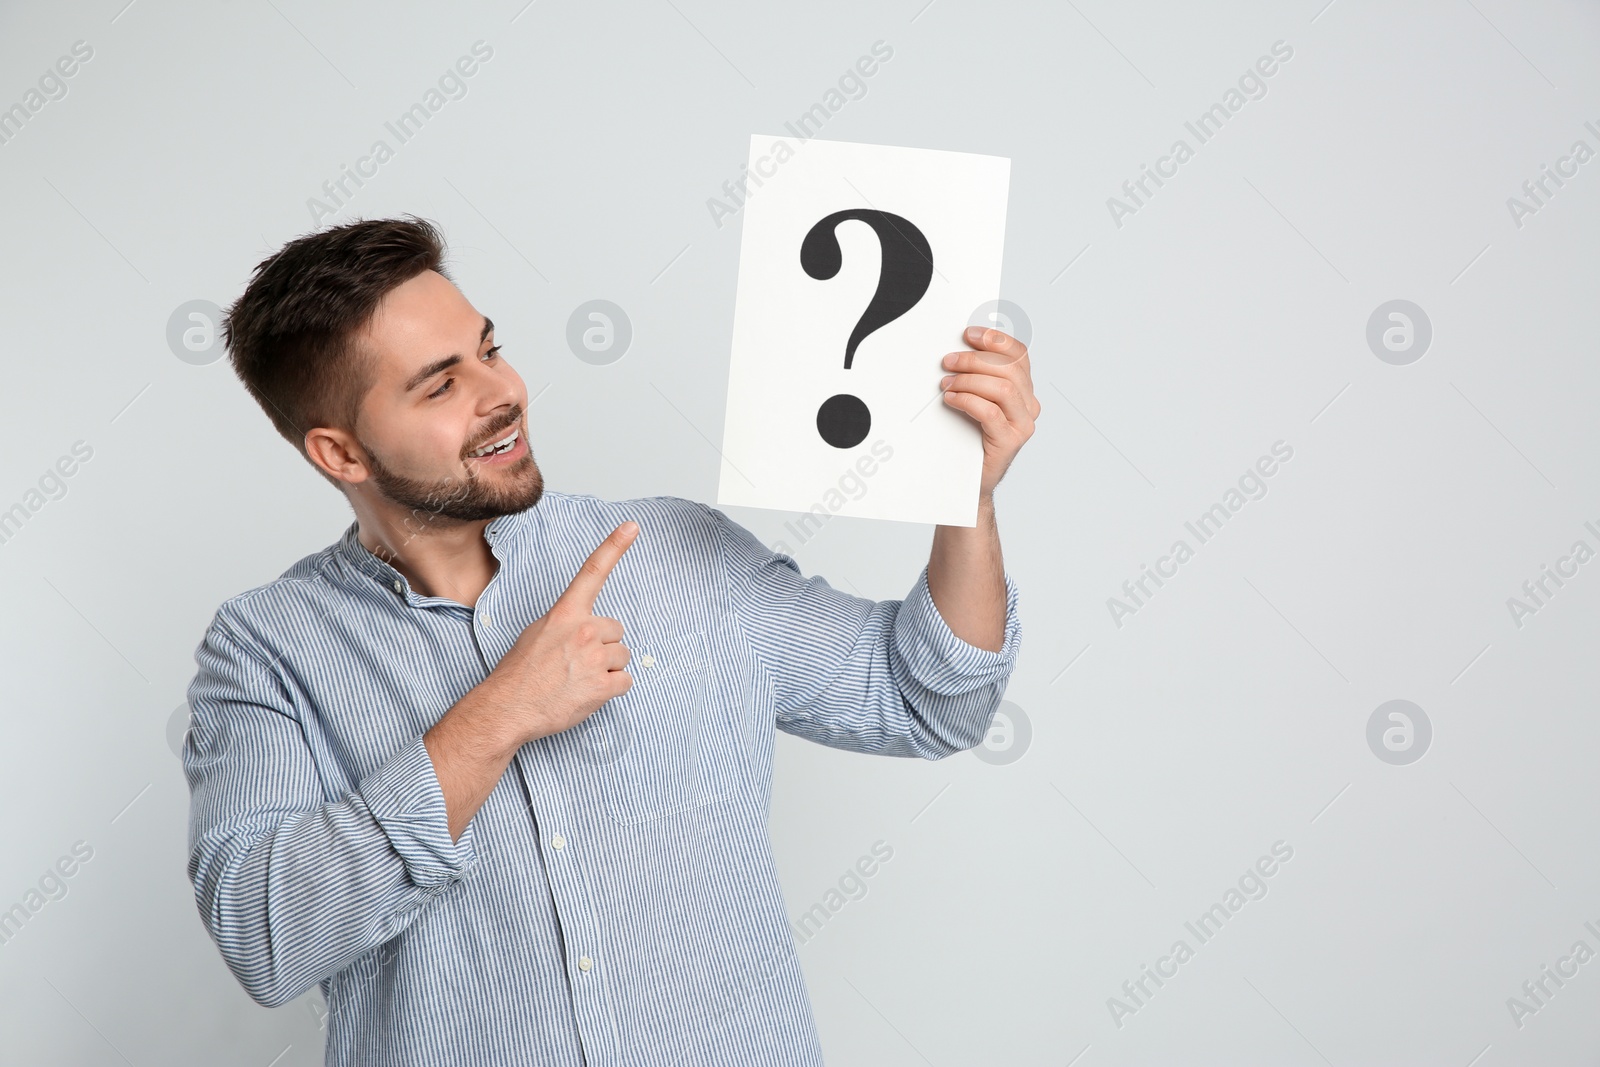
1230,312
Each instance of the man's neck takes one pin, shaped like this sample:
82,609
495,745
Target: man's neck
441,557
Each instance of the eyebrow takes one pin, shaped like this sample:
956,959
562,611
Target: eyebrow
444,364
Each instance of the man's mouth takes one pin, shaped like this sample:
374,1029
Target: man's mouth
496,448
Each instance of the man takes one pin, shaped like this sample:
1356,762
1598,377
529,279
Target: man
613,898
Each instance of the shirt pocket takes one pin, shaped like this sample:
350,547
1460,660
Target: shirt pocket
666,746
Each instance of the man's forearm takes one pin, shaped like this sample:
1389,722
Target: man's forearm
966,576
470,755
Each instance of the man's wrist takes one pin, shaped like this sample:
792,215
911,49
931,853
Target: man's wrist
477,724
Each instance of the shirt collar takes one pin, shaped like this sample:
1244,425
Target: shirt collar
501,533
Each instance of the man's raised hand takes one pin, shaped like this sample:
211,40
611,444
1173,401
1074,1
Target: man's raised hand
568,662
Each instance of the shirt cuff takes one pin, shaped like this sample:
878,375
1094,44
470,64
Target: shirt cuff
404,797
933,651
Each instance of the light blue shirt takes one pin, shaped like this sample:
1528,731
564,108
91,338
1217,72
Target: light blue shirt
615,900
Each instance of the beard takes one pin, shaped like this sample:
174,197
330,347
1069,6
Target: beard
469,499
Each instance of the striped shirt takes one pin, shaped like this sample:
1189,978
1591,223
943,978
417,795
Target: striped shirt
615,900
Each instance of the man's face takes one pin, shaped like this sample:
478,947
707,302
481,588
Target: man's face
439,396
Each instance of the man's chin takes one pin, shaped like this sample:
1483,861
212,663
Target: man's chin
486,495
506,492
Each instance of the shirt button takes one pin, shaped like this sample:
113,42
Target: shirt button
558,842
647,661
584,963
398,588
488,620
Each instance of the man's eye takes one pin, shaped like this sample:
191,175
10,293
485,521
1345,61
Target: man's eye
442,389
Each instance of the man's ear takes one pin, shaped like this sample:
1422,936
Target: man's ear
337,454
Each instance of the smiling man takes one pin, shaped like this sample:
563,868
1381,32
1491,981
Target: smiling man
493,769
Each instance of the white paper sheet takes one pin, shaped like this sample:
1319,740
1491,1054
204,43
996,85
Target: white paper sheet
920,460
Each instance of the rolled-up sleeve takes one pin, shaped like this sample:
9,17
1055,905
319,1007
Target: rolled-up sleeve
887,677
291,887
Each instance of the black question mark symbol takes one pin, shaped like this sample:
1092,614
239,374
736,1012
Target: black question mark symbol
903,278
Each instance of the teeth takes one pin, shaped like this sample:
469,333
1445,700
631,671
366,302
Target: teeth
503,445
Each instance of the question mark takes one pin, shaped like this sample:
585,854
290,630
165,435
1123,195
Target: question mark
904,274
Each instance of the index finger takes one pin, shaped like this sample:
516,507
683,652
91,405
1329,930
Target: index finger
584,589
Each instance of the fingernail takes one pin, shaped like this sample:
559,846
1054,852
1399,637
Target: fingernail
975,332
946,380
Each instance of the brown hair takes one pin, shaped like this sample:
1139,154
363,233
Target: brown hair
291,336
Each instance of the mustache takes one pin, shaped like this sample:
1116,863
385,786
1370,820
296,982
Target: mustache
495,431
